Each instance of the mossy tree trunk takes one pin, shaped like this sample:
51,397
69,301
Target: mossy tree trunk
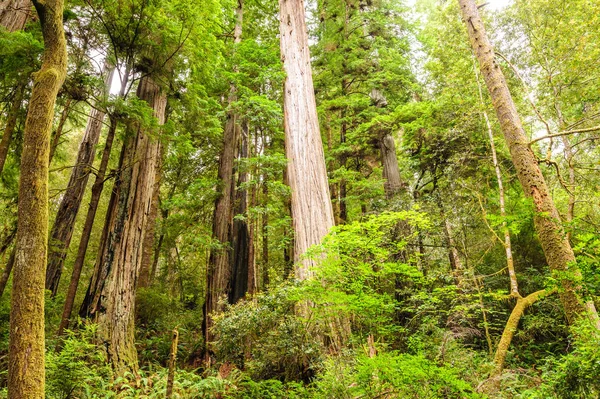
556,246
26,374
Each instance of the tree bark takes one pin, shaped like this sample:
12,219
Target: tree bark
64,224
122,256
555,244
391,170
312,213
64,115
145,278
172,364
26,374
11,123
6,272
219,273
14,14
241,231
97,188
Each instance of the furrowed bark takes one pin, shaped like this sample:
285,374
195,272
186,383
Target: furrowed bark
145,278
64,224
219,273
389,161
14,14
553,239
122,257
312,213
241,231
26,374
97,188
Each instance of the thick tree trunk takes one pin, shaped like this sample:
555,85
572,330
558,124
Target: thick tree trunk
91,300
64,115
123,253
14,14
26,343
241,231
219,273
64,224
555,244
264,262
312,213
145,278
391,170
97,188
11,123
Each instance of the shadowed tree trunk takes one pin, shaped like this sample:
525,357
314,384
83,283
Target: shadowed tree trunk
64,224
13,17
6,272
553,239
11,123
26,374
64,115
122,254
241,231
11,260
219,273
97,188
312,213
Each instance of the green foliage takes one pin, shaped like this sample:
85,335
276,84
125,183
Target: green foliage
265,338
574,375
79,368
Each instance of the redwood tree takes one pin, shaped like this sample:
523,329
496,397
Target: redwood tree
312,212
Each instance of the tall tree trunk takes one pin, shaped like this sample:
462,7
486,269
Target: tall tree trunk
123,253
389,161
14,14
312,213
149,239
264,261
97,188
241,231
64,224
26,377
64,115
99,274
11,123
219,273
555,244
91,301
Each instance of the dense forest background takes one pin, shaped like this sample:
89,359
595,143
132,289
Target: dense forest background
319,199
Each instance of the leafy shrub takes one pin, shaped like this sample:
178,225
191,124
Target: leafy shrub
391,375
79,369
